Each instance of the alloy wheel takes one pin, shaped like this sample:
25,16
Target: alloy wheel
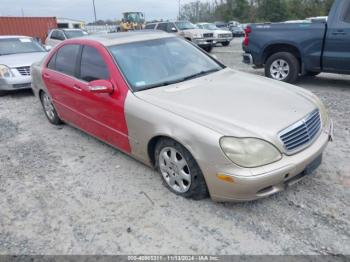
279,69
174,169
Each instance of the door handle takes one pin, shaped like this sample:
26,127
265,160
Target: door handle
77,88
46,76
340,32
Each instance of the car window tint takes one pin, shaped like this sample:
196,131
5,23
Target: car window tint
162,26
93,67
347,14
58,35
170,26
151,26
66,59
52,63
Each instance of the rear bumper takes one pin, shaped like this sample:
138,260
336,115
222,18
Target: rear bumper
268,180
247,58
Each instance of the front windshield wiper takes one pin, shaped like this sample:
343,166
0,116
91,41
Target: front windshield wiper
201,73
165,83
171,82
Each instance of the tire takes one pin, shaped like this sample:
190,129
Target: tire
172,160
3,93
226,43
208,48
311,73
283,66
49,109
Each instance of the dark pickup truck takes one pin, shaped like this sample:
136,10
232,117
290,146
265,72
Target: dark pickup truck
287,51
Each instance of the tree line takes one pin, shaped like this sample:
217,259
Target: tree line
253,11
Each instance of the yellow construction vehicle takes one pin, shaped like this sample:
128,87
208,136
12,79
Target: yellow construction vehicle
132,21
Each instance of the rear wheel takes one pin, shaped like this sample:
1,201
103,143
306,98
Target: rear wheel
226,43
179,170
282,66
49,109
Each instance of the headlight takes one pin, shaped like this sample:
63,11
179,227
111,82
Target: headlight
5,72
197,36
249,152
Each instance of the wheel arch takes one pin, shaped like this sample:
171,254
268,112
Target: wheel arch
152,143
285,47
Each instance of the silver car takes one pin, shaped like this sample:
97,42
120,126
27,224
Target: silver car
17,53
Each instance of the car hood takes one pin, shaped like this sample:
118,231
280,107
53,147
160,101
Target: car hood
196,31
234,103
18,60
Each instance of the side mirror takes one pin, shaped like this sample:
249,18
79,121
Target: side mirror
48,47
101,87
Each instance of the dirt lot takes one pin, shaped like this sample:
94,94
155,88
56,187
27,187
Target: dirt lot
63,192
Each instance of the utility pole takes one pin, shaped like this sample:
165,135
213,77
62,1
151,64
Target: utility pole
22,12
179,9
93,3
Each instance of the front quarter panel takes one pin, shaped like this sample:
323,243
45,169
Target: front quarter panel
146,121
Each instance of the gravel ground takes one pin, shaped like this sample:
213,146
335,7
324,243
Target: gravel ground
64,192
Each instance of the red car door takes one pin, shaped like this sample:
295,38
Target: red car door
59,78
101,114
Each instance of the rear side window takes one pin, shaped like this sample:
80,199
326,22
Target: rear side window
346,16
162,26
66,59
150,26
58,35
93,67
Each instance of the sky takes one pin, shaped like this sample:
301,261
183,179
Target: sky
83,9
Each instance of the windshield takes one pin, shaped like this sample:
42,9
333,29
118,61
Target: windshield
161,62
9,46
134,17
185,25
210,27
74,33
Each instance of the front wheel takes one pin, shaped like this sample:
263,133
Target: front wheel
207,48
283,66
49,109
3,93
179,170
226,43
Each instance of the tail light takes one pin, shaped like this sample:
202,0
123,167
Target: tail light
247,31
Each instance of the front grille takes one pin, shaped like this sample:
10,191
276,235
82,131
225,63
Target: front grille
208,35
24,70
224,35
301,133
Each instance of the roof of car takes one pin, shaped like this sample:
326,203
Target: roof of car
127,37
13,36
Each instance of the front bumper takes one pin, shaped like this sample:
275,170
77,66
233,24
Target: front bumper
203,42
15,83
223,40
267,180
